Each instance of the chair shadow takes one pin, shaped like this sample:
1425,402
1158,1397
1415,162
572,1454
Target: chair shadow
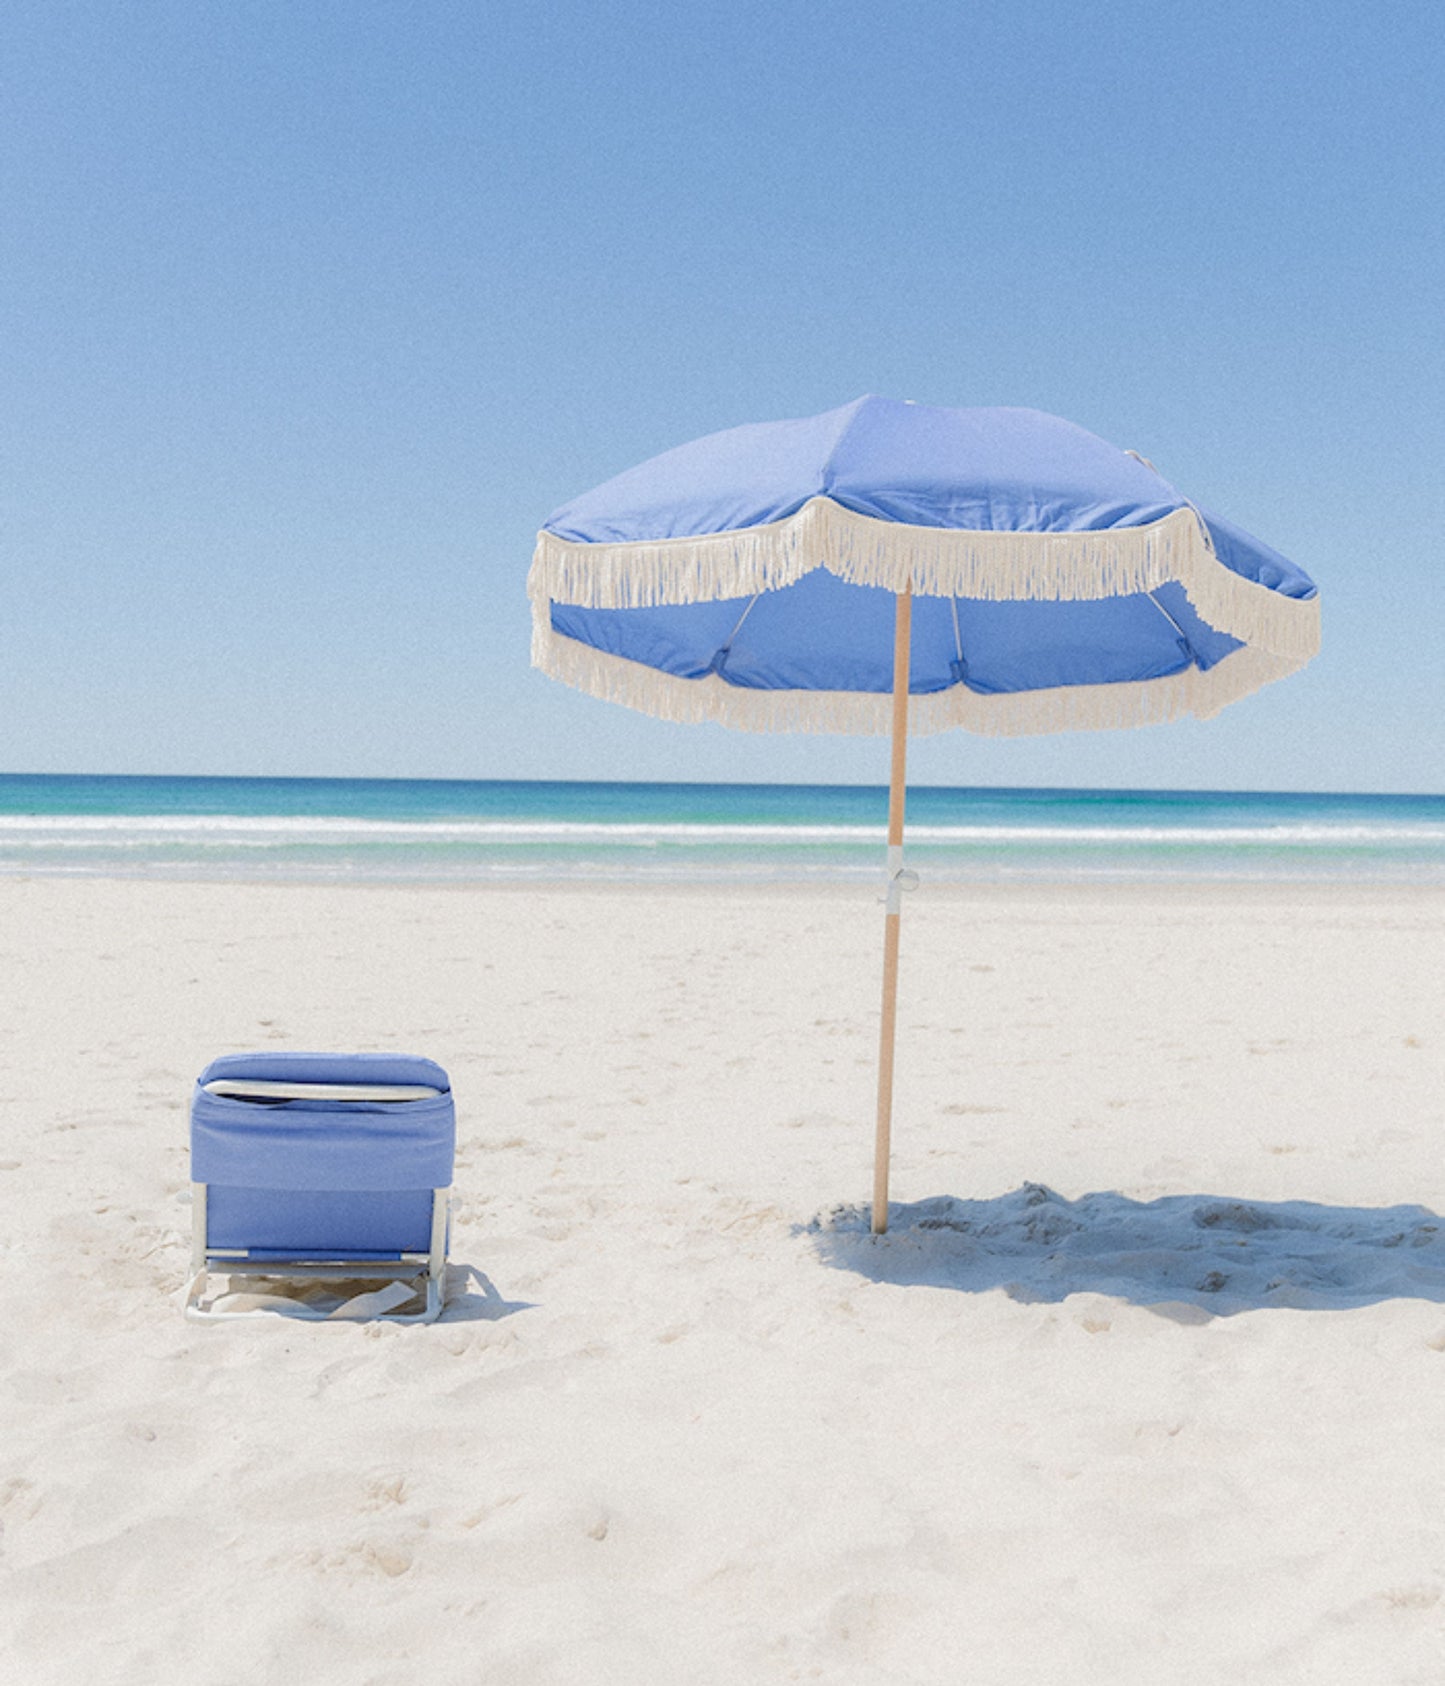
485,1305
1189,1257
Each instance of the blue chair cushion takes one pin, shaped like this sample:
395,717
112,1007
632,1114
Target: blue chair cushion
319,1223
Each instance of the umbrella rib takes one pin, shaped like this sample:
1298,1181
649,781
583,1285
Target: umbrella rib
1182,634
719,661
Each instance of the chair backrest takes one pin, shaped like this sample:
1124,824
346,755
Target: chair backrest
319,1176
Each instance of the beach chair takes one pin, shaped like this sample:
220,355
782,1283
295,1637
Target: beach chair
322,1167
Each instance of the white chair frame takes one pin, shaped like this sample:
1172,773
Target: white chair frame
233,1262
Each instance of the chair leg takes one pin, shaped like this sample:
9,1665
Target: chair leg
195,1288
198,1226
437,1261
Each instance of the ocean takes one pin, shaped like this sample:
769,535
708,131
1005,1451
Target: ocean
444,831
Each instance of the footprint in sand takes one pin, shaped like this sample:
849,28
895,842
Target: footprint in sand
383,1490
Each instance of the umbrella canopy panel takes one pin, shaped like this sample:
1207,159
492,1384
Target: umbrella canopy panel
1058,582
984,470
825,635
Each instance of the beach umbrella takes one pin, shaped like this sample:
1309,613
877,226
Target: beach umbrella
895,567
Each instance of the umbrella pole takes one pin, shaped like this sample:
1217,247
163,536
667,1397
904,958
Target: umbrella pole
902,630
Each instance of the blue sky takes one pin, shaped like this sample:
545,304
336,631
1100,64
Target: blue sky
314,311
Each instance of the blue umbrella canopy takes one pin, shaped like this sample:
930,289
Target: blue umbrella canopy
1058,582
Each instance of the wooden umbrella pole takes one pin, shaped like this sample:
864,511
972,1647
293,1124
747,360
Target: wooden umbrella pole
902,630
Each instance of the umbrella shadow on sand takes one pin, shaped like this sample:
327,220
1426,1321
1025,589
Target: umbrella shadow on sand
1189,1257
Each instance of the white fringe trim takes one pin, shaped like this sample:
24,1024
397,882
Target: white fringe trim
1017,714
934,561
1280,634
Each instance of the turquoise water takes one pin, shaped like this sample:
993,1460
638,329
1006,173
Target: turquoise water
456,831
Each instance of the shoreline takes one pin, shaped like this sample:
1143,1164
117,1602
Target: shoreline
1138,887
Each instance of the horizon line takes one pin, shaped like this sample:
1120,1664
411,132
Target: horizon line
727,784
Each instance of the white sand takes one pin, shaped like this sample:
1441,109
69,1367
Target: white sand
671,1433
